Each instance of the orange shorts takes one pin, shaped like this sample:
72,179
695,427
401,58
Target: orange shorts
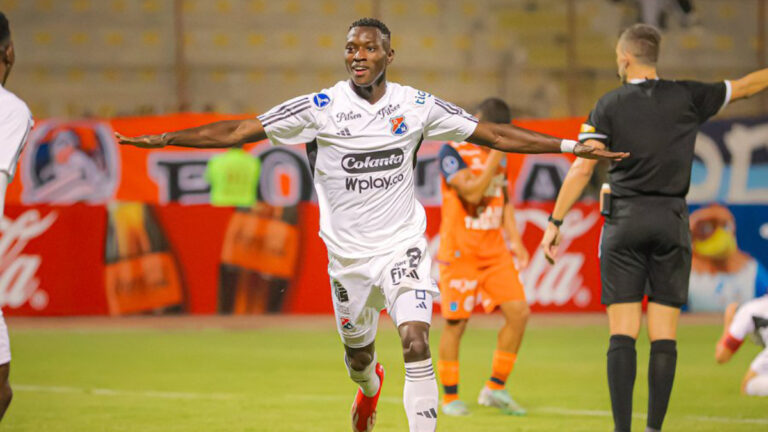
465,282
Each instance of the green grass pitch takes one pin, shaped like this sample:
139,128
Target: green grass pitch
285,378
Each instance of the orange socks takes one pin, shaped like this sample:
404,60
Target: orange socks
449,378
503,363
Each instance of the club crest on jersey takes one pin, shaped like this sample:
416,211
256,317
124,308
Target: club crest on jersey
321,100
346,323
399,127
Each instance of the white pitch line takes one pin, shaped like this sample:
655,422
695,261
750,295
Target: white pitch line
546,410
601,413
115,392
335,397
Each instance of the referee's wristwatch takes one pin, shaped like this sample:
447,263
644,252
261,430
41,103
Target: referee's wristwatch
555,222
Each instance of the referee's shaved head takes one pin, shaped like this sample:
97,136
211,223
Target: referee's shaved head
643,42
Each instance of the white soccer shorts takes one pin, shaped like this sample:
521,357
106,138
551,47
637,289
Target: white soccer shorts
362,287
5,344
760,363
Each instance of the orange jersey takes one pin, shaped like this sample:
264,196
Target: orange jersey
470,231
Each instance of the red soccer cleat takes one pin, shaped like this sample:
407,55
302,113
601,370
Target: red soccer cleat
364,408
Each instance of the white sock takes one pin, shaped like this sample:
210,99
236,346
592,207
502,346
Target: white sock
420,396
367,379
757,386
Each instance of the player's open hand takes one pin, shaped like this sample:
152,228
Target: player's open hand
590,152
550,242
522,255
143,141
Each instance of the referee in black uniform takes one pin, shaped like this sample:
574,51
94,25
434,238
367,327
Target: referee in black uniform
645,248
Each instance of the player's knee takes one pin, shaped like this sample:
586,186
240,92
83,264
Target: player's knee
455,325
516,312
757,386
416,348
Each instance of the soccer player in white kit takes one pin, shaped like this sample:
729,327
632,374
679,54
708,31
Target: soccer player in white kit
362,137
751,318
15,123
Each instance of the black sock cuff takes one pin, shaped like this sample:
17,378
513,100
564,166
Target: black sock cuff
621,342
664,346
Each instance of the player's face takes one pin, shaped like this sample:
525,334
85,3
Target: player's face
366,55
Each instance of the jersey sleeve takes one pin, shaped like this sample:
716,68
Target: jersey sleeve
598,124
451,162
742,323
447,122
15,124
708,99
292,122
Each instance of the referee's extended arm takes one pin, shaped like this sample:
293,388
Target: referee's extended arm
749,85
573,186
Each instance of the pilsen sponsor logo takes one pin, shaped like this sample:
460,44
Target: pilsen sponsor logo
387,111
18,272
347,116
384,160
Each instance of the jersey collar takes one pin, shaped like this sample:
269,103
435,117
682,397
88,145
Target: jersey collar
364,104
641,80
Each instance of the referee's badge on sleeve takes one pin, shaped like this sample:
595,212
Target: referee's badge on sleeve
585,128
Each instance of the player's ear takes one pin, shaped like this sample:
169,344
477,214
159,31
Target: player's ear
8,55
390,56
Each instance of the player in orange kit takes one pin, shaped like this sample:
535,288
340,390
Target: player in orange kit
474,259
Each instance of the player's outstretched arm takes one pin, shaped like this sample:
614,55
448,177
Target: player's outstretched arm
749,85
573,186
513,139
227,133
726,347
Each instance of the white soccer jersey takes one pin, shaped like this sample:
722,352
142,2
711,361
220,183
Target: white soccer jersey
15,123
362,156
751,318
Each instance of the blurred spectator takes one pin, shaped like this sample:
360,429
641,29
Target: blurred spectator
657,12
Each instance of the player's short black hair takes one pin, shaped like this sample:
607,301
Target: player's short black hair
372,22
642,41
5,29
495,110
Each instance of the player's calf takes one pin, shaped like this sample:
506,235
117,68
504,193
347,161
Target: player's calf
420,391
361,365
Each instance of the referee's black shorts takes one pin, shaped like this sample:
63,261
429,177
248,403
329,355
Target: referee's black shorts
645,249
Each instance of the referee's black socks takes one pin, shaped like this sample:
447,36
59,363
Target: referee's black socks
661,375
622,368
